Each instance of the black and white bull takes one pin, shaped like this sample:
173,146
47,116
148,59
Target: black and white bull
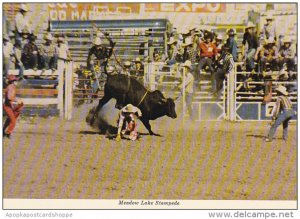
128,90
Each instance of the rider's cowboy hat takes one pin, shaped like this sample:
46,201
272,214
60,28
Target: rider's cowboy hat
282,90
128,108
97,41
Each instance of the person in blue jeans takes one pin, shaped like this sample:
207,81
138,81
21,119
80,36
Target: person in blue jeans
283,105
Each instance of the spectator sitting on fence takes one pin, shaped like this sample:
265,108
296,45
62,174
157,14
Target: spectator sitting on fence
208,52
22,25
219,44
188,84
225,67
173,53
18,59
190,53
7,54
259,51
287,57
49,53
30,54
63,50
251,39
269,55
269,29
232,44
282,114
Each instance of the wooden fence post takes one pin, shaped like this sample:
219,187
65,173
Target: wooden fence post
60,68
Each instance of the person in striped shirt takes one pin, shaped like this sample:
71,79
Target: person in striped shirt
283,105
225,66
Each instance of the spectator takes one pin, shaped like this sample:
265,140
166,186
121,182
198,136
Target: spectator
190,53
232,44
225,67
282,114
18,59
21,23
269,29
188,84
208,52
49,53
258,52
63,50
173,53
30,54
138,69
219,44
11,36
100,53
126,68
251,39
7,54
287,57
127,122
269,55
12,106
280,41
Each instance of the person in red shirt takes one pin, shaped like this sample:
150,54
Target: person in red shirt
208,52
12,106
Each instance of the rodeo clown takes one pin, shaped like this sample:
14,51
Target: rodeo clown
12,106
283,105
127,122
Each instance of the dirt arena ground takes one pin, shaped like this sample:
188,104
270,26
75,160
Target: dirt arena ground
53,158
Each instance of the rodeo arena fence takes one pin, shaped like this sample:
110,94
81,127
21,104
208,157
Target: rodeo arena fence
47,93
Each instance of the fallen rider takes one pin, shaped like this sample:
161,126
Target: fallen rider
127,122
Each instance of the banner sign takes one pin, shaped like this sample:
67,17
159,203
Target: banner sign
88,11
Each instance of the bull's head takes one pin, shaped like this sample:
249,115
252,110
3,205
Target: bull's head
169,105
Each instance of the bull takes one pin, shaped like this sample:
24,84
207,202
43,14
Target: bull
127,90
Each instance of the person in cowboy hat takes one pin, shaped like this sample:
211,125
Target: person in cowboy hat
218,43
8,51
282,113
49,53
287,56
63,49
269,54
188,84
252,41
12,106
225,65
231,43
173,53
189,52
30,54
269,29
100,53
127,122
21,22
138,69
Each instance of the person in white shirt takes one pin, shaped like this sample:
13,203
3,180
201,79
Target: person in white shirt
7,54
188,83
21,23
63,50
